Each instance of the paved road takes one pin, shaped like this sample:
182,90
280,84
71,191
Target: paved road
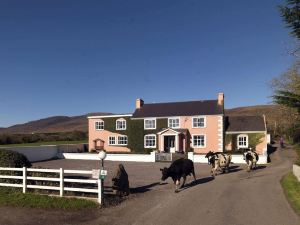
237,198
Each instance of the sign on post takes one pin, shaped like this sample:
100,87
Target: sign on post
103,174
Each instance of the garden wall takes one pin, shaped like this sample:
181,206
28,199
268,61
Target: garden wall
47,152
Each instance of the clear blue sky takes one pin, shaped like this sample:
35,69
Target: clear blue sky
61,57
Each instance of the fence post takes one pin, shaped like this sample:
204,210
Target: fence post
24,179
100,191
61,182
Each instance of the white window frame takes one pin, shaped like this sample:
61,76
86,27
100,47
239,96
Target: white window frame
199,117
155,141
199,146
121,120
118,141
109,140
99,121
247,141
151,128
174,118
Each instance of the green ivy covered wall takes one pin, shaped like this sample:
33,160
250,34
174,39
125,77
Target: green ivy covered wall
253,140
135,132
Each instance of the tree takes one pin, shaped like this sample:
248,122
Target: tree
287,88
290,12
291,15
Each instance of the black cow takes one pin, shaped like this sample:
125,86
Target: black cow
179,168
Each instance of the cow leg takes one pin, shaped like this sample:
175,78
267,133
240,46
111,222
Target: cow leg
177,185
193,172
226,169
212,172
183,182
217,167
249,163
255,165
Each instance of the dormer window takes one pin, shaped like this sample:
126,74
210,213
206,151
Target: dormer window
121,124
99,125
174,122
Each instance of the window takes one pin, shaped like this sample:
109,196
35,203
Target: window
121,124
198,141
122,140
99,125
149,124
150,141
199,121
242,141
111,140
173,122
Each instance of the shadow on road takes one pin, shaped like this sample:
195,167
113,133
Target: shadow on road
234,169
259,167
197,182
143,189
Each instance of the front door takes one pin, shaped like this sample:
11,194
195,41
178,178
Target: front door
169,143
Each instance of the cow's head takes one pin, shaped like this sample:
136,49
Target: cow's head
164,172
210,156
246,151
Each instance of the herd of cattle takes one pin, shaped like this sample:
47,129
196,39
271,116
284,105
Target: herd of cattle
220,161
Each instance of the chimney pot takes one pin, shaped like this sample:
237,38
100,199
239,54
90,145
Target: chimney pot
221,98
139,103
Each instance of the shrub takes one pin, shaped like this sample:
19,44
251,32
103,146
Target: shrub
13,159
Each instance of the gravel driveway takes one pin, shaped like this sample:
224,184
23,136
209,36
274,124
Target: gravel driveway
237,198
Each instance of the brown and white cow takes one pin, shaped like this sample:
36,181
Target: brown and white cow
251,158
219,161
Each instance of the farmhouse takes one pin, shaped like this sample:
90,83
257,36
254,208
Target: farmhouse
198,126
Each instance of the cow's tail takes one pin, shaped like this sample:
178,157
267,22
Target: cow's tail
193,172
257,157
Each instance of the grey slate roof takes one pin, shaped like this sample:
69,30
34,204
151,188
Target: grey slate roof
244,123
191,108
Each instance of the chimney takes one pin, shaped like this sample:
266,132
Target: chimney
221,98
139,103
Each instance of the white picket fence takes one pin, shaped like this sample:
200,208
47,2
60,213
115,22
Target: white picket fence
61,179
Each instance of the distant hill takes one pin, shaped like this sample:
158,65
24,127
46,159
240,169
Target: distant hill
65,123
52,125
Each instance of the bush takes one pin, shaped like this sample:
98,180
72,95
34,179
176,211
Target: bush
13,159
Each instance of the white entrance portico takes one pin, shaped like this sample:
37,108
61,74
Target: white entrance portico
172,140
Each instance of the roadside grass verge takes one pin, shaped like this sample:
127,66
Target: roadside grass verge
14,197
291,188
46,143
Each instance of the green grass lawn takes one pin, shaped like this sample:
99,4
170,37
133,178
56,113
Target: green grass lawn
291,188
46,143
14,197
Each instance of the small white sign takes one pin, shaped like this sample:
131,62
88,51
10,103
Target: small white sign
103,172
95,174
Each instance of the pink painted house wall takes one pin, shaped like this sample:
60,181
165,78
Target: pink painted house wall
213,132
103,135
